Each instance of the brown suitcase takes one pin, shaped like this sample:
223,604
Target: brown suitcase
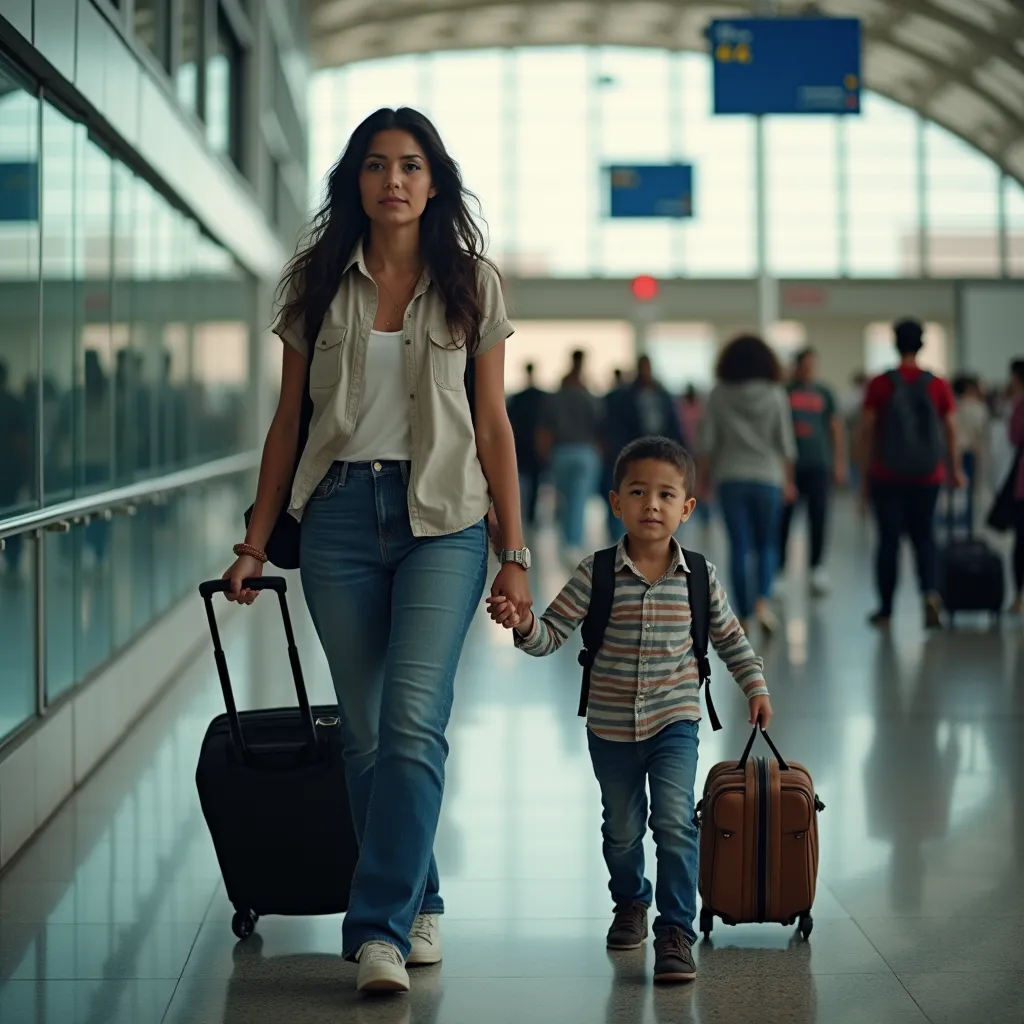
758,825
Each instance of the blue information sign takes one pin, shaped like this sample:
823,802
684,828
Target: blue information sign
652,190
19,191
786,65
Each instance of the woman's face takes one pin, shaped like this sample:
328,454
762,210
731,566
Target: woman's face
395,182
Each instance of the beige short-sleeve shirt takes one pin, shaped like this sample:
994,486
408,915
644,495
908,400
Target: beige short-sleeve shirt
447,488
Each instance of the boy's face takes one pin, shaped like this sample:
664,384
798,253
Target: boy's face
652,500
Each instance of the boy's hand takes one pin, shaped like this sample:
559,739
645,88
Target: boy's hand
761,710
503,611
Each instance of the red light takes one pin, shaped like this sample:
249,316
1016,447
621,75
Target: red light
645,288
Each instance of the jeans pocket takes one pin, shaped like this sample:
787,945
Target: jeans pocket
327,485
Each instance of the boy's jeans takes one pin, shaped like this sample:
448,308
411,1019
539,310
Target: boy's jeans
668,760
392,612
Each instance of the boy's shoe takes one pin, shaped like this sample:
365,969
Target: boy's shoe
425,938
629,929
820,585
381,968
932,612
673,960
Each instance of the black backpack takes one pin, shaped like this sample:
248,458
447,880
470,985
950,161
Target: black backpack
596,622
911,439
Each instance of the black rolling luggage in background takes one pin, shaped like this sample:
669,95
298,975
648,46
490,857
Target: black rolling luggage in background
970,572
272,788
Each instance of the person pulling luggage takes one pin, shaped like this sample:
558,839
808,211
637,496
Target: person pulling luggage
908,435
661,605
391,316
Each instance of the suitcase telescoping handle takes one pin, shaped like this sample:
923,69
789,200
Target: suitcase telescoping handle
280,585
750,743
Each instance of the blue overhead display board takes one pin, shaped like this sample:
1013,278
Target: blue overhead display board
652,190
786,65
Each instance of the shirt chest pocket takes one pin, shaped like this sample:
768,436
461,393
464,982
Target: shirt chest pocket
448,360
325,370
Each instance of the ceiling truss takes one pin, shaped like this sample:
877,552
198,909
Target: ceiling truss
959,63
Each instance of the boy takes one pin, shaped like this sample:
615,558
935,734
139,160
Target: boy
644,706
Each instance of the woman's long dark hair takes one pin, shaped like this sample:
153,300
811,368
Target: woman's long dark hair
451,243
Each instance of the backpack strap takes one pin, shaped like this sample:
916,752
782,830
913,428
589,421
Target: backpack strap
700,624
469,381
602,593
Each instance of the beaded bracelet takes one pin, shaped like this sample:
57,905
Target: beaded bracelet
253,552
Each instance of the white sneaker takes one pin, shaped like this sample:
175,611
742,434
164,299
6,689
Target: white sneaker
381,968
425,936
820,585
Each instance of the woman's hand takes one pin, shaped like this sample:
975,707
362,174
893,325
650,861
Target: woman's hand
513,584
245,567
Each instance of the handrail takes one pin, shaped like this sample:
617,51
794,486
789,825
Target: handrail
123,499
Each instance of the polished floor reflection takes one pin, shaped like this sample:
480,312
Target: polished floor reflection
116,913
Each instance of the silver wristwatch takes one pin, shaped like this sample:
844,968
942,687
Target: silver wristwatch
520,556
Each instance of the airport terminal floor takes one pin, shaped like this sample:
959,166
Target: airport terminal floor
116,912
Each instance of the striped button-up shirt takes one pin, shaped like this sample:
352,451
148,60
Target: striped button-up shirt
645,674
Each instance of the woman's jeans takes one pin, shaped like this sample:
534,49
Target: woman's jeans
392,612
667,763
752,512
577,470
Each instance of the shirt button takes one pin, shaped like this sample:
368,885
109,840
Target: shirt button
647,625
412,398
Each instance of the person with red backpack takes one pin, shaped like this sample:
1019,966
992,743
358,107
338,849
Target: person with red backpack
908,436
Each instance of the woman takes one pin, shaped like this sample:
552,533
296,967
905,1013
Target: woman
747,446
392,489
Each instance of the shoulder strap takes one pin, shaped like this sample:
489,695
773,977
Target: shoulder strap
700,624
602,593
469,379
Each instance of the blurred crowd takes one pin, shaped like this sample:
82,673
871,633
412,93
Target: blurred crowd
770,439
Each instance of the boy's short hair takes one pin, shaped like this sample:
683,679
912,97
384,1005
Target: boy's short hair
663,449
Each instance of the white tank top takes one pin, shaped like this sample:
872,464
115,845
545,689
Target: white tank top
382,429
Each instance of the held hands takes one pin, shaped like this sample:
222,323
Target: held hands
505,613
761,710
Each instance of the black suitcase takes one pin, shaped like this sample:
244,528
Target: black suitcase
971,575
272,788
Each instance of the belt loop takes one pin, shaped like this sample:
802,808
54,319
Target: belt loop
343,474
405,473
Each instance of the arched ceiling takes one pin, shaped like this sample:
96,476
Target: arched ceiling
959,62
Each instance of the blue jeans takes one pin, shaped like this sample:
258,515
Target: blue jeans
577,470
668,763
751,511
392,612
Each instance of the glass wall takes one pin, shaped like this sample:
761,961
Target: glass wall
880,195
19,374
124,355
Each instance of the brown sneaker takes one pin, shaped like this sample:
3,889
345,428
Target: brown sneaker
629,929
673,960
932,612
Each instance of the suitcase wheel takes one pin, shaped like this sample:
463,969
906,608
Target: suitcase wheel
243,924
707,922
806,926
